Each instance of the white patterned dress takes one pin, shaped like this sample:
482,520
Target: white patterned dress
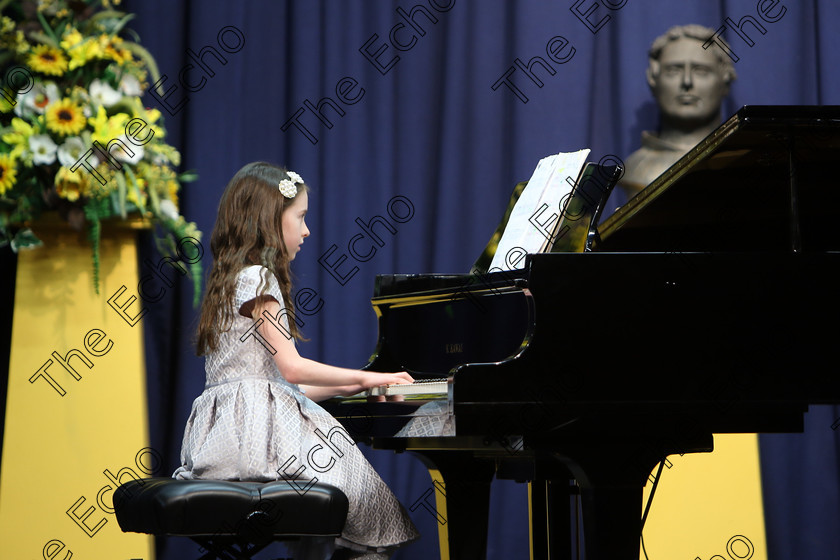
249,423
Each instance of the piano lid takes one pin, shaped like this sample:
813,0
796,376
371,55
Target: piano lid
765,180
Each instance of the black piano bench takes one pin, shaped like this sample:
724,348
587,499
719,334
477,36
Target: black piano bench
235,520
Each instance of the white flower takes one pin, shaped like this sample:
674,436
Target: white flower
294,177
287,188
130,85
121,154
71,150
35,101
42,148
169,210
103,94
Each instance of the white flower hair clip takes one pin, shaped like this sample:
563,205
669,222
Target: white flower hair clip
288,187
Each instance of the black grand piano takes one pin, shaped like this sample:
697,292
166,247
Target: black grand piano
707,304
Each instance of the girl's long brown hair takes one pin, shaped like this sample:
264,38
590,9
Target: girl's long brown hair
248,231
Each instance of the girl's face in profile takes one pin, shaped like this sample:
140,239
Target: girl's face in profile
294,226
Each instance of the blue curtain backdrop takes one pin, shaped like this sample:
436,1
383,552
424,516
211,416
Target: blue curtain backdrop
424,122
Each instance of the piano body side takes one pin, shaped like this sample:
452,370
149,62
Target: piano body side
431,324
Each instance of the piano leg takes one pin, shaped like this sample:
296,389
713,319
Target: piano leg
611,497
462,527
551,520
611,521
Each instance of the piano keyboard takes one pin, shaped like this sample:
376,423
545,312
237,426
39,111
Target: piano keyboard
421,387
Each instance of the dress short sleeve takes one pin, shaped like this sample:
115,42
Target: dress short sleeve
250,282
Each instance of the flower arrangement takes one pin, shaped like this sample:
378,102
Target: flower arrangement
74,134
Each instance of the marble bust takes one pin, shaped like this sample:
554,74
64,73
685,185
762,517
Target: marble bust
689,84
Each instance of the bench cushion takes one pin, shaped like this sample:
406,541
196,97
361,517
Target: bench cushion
165,506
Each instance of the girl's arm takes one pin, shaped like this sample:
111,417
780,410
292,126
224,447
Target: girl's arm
318,394
303,371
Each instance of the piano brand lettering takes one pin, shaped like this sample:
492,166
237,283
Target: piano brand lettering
316,464
229,38
403,37
738,547
18,80
764,9
363,246
95,341
558,49
147,460
456,348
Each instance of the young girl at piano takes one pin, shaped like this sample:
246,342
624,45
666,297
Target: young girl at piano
257,418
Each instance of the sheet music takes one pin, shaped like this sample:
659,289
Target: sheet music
540,200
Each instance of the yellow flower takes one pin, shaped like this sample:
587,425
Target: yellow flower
81,50
173,186
48,60
20,137
72,37
160,178
5,106
65,117
95,189
47,6
170,190
108,173
107,128
110,45
131,195
148,116
12,39
21,44
151,117
161,153
70,185
8,170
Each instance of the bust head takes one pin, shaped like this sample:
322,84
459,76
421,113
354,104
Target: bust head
688,81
